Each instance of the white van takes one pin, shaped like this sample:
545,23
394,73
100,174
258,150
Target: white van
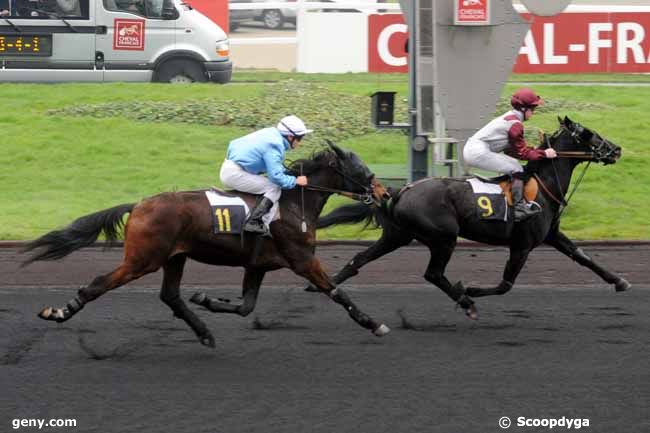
110,40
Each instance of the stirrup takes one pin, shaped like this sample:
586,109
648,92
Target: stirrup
526,211
253,226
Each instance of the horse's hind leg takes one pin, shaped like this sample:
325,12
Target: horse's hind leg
170,295
124,273
138,261
250,289
515,264
435,274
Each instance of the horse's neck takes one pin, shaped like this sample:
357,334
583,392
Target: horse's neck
556,175
314,201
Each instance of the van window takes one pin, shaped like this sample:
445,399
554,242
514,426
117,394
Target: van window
44,9
144,8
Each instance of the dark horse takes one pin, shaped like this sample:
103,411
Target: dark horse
437,211
167,229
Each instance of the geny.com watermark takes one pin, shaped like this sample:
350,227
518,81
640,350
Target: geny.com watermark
550,423
40,423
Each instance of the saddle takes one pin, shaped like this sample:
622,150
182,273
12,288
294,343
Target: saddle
531,187
230,210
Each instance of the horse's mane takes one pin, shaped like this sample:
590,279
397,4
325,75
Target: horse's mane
534,166
317,160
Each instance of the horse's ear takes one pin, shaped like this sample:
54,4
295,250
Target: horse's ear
559,119
567,122
339,152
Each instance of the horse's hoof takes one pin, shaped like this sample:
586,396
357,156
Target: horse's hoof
472,312
55,314
198,298
311,288
381,330
208,340
45,313
622,285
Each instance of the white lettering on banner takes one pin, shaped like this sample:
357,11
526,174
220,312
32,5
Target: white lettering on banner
530,49
633,44
596,43
587,43
383,47
549,47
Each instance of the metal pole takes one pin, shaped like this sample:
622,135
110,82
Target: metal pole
418,146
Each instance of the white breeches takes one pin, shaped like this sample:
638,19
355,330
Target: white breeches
478,154
235,177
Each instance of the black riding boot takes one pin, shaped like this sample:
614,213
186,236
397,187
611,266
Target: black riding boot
254,223
523,210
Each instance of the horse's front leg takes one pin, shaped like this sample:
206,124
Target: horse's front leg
390,240
514,266
563,244
311,269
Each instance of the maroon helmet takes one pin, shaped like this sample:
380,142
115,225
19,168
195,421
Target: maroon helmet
526,98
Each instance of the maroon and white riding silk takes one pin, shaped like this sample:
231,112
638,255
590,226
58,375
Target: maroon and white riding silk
503,134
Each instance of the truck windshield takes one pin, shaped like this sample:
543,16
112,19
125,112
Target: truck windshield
145,8
45,9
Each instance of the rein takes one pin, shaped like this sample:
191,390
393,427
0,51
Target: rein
583,155
548,192
365,198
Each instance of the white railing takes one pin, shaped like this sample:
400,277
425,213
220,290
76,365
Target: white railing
302,7
297,5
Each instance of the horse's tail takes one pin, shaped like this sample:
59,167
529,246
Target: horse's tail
81,233
349,214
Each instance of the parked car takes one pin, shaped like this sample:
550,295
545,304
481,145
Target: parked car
275,18
238,16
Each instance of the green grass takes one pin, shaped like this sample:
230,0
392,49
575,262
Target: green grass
68,150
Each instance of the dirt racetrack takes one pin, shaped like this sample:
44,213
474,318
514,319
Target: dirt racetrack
561,344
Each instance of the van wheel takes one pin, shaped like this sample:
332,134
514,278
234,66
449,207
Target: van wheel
273,19
180,71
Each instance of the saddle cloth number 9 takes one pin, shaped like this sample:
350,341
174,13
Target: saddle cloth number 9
492,207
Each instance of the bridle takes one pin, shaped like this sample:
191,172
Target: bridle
597,151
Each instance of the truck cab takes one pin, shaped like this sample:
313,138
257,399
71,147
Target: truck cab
110,40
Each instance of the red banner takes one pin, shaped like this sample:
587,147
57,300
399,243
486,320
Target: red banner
568,43
587,42
387,37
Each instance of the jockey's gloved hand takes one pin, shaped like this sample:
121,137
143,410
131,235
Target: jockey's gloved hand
550,153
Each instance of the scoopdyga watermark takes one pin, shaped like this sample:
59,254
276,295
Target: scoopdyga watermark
550,423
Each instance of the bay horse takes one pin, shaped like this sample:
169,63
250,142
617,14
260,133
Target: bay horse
439,210
167,229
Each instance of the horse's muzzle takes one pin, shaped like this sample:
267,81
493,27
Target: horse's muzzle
379,192
613,156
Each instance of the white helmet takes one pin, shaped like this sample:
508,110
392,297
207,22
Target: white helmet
292,125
